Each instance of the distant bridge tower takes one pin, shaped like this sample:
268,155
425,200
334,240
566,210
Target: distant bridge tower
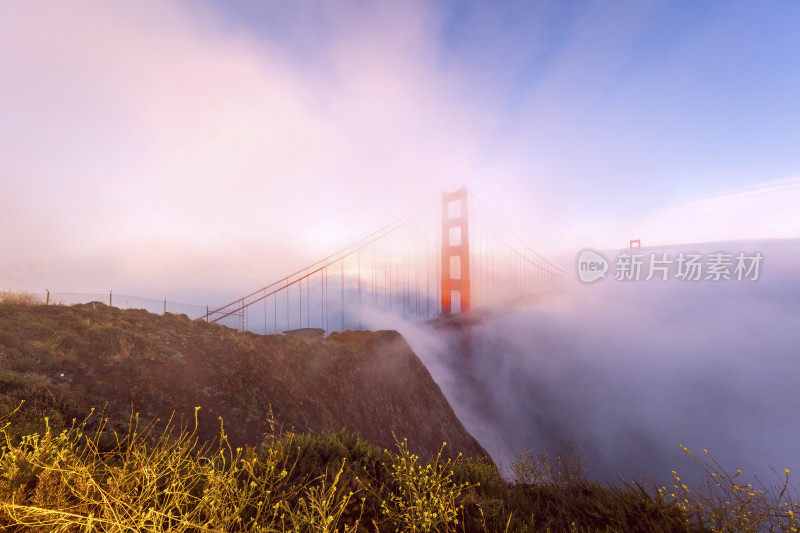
455,253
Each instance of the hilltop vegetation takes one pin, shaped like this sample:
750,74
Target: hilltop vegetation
66,361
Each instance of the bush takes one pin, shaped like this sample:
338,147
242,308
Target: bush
725,503
423,497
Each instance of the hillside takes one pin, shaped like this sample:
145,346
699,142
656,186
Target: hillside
64,361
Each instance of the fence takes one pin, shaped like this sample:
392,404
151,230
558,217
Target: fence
240,320
124,301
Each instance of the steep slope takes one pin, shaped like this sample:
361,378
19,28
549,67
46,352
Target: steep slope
66,360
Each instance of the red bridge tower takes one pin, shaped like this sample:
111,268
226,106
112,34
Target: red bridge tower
455,253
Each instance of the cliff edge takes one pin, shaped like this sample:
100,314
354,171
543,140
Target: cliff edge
65,360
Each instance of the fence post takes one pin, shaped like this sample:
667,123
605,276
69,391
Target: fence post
165,306
110,300
47,300
207,317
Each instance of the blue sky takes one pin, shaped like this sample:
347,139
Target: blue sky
645,105
230,134
690,97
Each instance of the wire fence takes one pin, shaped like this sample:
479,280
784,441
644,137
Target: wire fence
124,301
242,319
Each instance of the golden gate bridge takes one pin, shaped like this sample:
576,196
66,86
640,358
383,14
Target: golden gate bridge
444,260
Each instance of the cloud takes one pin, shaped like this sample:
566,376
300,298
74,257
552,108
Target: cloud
163,149
764,211
628,371
140,140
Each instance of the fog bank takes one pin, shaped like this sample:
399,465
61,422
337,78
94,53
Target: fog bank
627,371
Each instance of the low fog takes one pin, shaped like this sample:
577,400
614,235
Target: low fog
628,371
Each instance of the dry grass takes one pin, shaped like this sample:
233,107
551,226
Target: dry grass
75,481
102,481
20,298
143,480
540,467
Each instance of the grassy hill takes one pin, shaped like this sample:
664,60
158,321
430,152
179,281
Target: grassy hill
64,361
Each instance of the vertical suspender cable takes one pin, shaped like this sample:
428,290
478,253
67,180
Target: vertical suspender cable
387,274
308,300
427,276
415,250
300,302
403,275
341,271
